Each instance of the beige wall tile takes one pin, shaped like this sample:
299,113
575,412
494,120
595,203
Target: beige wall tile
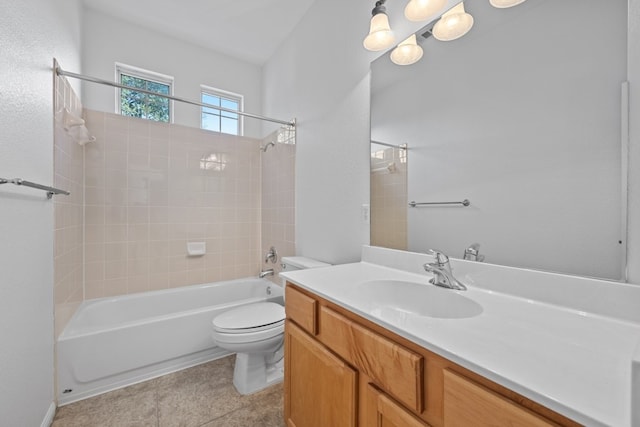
147,196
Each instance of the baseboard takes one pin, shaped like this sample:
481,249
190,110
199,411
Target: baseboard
48,418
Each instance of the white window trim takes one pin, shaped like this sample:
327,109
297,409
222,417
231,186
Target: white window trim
225,94
141,73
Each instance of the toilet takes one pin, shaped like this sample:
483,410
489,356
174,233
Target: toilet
255,332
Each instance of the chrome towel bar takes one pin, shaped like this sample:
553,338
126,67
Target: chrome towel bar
464,203
50,190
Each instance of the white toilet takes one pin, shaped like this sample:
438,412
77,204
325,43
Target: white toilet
256,333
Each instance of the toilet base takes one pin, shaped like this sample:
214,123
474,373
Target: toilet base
252,373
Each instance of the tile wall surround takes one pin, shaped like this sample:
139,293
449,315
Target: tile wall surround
152,187
143,189
389,199
68,210
278,198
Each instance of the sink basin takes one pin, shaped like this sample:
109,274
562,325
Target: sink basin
422,299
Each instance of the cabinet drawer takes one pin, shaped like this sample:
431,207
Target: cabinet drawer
391,366
468,403
301,309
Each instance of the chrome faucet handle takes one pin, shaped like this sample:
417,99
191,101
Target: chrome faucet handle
441,258
272,255
472,253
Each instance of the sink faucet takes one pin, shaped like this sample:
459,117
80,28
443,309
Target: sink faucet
266,273
472,253
441,269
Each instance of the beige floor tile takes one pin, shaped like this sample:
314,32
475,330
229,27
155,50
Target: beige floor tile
131,406
250,416
196,404
199,396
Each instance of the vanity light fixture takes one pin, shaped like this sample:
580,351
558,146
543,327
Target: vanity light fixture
380,36
421,10
454,24
503,4
408,52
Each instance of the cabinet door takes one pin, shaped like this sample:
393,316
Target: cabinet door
320,389
467,403
388,413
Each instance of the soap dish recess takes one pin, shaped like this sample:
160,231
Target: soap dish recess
196,248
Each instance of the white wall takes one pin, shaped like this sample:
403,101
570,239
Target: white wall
321,75
524,123
32,33
633,256
109,40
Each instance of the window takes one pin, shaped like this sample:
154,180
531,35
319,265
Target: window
218,120
143,105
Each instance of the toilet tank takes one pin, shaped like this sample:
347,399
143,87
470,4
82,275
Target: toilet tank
292,263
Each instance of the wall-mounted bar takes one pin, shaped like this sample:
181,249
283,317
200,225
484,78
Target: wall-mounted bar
50,190
61,72
464,203
391,168
386,144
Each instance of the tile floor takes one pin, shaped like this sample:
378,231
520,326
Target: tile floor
202,396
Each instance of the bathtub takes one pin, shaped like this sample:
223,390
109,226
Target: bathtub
114,342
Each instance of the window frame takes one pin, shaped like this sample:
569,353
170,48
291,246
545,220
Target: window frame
144,74
225,94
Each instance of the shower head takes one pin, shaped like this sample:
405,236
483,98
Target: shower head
264,147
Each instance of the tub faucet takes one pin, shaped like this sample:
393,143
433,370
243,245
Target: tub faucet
442,274
265,273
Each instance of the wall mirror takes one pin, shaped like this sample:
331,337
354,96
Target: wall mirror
524,117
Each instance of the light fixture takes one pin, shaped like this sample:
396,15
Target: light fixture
503,4
408,52
380,36
421,10
453,24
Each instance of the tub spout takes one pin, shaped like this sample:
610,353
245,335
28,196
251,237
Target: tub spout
266,273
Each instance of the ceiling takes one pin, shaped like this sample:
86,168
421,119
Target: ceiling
250,30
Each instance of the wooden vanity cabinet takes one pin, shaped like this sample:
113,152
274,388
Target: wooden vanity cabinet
321,388
344,370
385,412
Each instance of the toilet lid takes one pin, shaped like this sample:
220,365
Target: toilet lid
260,315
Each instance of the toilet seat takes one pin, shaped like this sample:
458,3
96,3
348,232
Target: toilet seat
249,323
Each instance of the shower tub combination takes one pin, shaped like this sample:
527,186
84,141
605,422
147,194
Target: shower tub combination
114,342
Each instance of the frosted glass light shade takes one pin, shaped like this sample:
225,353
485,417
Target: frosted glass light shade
408,52
502,4
453,24
421,10
380,35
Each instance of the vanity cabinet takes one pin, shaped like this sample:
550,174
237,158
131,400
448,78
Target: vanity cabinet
321,388
384,412
468,403
344,370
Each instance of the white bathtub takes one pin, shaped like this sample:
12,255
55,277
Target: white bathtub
114,342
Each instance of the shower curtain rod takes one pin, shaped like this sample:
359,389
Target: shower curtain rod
61,72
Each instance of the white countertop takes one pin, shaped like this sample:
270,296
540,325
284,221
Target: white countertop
576,363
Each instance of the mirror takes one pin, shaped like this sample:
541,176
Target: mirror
523,117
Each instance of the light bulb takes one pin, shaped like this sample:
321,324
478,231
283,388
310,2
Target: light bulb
453,24
421,10
380,36
408,52
503,4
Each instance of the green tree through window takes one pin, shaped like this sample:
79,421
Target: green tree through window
143,105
